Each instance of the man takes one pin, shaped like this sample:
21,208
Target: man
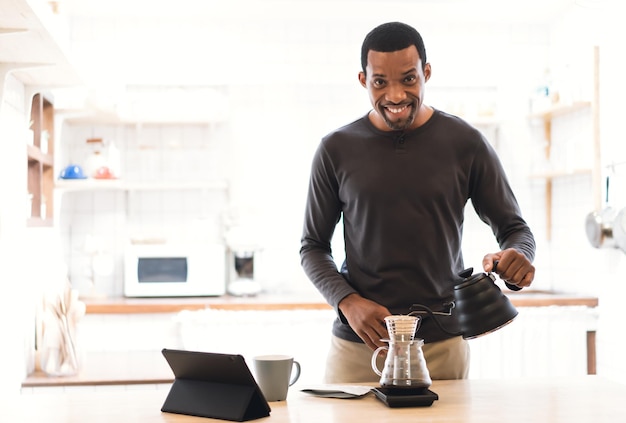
400,177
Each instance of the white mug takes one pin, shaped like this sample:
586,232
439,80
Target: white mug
275,374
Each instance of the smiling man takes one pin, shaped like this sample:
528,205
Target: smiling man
400,177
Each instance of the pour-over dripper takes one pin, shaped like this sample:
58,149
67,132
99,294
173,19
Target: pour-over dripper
401,327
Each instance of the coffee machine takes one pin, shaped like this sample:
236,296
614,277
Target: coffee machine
242,281
243,249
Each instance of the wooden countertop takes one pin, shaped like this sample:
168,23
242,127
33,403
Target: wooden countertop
555,400
225,302
293,301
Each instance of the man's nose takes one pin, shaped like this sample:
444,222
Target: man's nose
396,93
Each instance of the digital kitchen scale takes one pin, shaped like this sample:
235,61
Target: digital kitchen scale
402,397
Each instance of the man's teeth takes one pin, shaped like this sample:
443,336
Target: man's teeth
396,109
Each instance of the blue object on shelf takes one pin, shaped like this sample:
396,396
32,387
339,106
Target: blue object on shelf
73,171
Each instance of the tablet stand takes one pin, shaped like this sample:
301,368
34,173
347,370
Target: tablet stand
215,400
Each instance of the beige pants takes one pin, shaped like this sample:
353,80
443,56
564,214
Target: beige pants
350,362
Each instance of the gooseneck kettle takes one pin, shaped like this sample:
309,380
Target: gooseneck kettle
479,305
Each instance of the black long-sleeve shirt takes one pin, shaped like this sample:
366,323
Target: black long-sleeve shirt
402,197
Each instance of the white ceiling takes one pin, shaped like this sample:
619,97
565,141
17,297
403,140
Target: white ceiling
202,42
120,44
475,10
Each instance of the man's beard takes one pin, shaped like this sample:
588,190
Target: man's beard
399,125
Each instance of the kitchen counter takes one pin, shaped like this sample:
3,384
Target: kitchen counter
569,400
148,367
525,298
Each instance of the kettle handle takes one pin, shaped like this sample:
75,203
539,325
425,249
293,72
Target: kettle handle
374,357
508,285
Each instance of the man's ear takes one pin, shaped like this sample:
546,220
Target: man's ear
427,71
362,79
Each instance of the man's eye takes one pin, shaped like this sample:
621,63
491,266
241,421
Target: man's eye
410,79
378,82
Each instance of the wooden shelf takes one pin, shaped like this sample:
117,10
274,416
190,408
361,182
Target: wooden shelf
562,173
558,110
72,185
32,54
40,161
36,155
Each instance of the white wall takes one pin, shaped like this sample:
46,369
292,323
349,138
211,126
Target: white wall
11,228
265,147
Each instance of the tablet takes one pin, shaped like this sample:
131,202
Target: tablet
213,385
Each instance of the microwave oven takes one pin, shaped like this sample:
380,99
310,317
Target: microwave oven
174,270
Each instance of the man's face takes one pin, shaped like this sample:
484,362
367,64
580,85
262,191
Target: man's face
395,83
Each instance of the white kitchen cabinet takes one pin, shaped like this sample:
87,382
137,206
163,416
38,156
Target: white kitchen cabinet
29,50
548,341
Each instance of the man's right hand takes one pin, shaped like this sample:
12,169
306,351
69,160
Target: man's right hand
366,318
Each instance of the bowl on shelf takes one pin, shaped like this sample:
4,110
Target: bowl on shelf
104,172
73,171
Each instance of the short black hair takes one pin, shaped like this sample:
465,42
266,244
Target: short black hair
392,36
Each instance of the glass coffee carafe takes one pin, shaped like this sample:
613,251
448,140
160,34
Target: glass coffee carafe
405,366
